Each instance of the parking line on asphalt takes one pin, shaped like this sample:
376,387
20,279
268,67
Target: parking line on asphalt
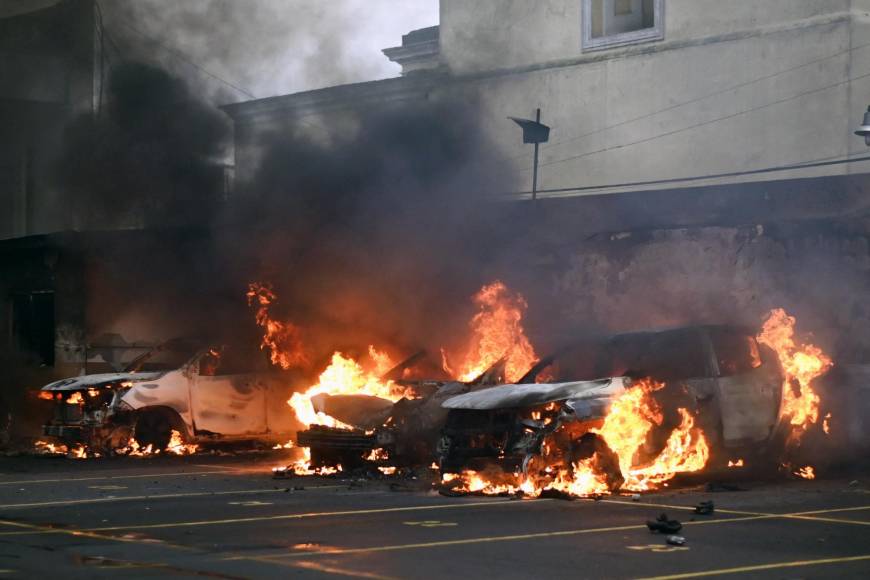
110,477
133,498
313,515
810,515
485,539
38,529
760,567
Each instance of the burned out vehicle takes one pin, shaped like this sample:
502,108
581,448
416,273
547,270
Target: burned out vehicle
205,393
721,374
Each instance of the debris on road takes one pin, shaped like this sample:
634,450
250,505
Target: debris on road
676,540
705,508
664,525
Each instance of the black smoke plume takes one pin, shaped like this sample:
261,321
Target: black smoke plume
151,157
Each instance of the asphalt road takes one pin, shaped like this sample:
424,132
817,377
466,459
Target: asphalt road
225,517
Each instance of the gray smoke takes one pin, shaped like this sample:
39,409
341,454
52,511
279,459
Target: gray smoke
266,47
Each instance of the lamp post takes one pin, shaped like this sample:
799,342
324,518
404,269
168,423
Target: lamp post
864,129
537,133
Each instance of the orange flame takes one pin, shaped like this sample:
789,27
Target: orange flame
283,339
801,364
630,419
75,399
497,331
806,472
738,463
346,376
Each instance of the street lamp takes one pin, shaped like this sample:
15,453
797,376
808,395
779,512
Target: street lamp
537,133
864,129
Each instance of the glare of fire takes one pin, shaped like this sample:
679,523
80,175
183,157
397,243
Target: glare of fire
302,465
738,463
826,424
806,472
801,364
631,417
177,446
346,376
49,448
686,451
497,331
282,339
46,395
75,399
377,455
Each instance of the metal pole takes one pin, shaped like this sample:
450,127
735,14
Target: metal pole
535,168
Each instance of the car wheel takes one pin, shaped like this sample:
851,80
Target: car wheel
153,428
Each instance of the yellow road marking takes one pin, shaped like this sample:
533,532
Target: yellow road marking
758,567
430,524
249,503
112,477
107,487
132,498
87,534
485,539
313,515
659,548
810,515
326,569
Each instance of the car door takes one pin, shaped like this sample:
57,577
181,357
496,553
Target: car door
748,388
227,397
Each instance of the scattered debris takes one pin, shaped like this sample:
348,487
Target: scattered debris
705,508
676,540
635,497
664,525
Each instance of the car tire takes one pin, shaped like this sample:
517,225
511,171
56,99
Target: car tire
153,428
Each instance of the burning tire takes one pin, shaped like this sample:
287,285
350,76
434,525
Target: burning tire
153,428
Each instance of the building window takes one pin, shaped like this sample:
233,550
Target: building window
608,23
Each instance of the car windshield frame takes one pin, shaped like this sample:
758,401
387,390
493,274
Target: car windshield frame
191,348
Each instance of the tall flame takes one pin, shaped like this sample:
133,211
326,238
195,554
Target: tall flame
801,364
629,421
346,376
283,339
497,331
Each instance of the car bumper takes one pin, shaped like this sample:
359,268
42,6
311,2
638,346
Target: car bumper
67,432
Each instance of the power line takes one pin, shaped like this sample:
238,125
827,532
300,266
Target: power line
698,99
704,123
182,57
710,95
823,162
190,62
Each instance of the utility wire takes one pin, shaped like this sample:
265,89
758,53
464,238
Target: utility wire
698,99
190,62
823,162
704,123
182,57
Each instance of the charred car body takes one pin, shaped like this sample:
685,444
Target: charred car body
730,382
204,393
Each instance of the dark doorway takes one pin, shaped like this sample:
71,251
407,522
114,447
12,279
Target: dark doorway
32,325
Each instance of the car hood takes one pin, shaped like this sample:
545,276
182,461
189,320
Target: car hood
535,394
89,381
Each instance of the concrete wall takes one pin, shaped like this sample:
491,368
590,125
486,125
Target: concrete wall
733,86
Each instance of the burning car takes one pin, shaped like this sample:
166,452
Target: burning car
203,393
728,384
715,388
